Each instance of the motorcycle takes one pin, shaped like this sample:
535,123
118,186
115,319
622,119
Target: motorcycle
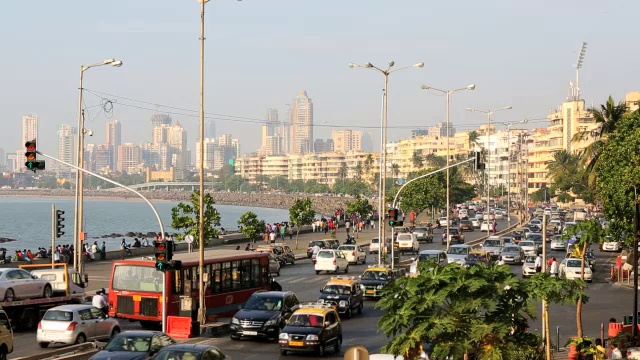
350,240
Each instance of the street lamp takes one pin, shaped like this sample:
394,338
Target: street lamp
448,94
509,125
79,199
383,144
489,114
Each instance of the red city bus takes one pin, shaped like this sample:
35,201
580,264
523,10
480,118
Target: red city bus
135,287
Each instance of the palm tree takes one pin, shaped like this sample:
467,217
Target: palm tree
563,162
358,170
473,137
607,119
435,161
417,160
395,171
368,163
343,171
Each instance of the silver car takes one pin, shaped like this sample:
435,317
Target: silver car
75,324
557,243
512,254
422,233
20,284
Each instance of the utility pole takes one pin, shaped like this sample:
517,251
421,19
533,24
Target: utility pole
636,235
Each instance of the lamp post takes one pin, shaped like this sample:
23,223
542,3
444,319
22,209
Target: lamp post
489,114
79,199
448,94
509,125
383,142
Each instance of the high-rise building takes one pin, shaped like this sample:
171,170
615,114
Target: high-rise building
209,129
102,158
419,132
440,129
129,158
347,140
159,119
366,142
66,148
272,135
159,135
29,128
114,138
302,125
322,146
177,141
210,146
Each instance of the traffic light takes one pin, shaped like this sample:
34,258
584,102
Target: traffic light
477,162
164,254
32,162
393,218
59,223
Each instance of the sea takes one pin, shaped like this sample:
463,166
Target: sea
28,220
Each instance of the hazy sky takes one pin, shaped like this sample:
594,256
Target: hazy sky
261,53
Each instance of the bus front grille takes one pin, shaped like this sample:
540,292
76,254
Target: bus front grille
125,305
149,306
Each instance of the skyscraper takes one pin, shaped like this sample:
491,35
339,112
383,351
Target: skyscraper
29,128
272,135
159,119
177,141
302,124
114,138
66,148
347,140
209,129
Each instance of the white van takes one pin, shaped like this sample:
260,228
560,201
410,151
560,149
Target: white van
59,283
408,242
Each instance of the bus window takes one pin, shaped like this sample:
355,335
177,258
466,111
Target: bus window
246,274
136,278
178,279
227,277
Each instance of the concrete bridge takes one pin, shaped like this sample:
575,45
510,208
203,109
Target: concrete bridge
165,186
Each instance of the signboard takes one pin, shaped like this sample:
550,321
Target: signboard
188,239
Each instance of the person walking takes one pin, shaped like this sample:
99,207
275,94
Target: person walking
554,267
99,301
538,263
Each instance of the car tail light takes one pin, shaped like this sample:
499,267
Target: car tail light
39,325
72,326
334,261
353,253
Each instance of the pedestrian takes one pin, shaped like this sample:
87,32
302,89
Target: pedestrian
554,267
495,226
600,350
538,263
500,261
290,231
103,251
615,351
347,225
99,301
248,247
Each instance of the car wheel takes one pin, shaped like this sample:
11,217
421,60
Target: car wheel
9,295
234,338
364,260
293,261
115,332
360,307
336,270
349,313
43,345
321,350
47,291
283,352
81,339
336,347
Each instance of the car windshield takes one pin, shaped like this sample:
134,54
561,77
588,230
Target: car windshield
527,243
136,278
306,320
465,221
124,342
511,249
337,289
492,243
263,303
421,229
58,315
574,263
173,354
458,250
535,237
476,257
325,254
374,275
347,247
375,241
428,257
530,259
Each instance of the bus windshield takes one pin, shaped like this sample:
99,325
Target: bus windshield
136,278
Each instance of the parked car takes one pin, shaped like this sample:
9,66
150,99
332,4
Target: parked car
331,260
354,253
263,315
16,284
134,345
6,335
189,352
437,256
570,268
512,254
75,324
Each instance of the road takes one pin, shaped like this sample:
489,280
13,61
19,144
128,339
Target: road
362,329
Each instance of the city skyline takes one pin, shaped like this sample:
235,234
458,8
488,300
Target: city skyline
529,66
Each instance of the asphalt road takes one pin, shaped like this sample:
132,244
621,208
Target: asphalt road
606,301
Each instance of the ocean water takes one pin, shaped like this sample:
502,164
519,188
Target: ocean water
28,220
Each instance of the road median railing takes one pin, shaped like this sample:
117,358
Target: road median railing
76,352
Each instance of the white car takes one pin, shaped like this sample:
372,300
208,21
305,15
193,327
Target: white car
570,269
408,243
475,223
331,260
528,247
529,266
75,324
355,254
485,226
20,284
479,215
437,256
498,215
610,245
443,221
557,244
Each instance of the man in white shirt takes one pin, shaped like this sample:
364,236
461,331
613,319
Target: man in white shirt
554,267
99,301
500,261
538,263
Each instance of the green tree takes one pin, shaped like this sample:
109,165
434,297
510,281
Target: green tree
481,310
358,170
296,186
586,233
423,193
343,172
607,119
185,218
368,164
351,187
278,183
252,227
416,160
432,160
234,183
301,213
395,171
360,206
313,187
538,195
472,137
618,177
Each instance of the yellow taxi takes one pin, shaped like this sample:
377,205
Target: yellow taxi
312,328
345,292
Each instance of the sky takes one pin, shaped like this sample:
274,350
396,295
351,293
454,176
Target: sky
261,53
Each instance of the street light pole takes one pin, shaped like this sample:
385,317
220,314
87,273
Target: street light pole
383,142
489,114
448,94
79,194
202,310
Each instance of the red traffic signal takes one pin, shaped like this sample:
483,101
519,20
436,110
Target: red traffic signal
161,250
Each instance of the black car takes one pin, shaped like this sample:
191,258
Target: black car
134,345
263,315
312,328
347,294
189,352
374,279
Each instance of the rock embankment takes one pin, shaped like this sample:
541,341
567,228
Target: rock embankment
325,205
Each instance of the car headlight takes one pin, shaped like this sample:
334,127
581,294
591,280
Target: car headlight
283,336
320,301
312,337
362,287
271,322
235,321
343,303
379,287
